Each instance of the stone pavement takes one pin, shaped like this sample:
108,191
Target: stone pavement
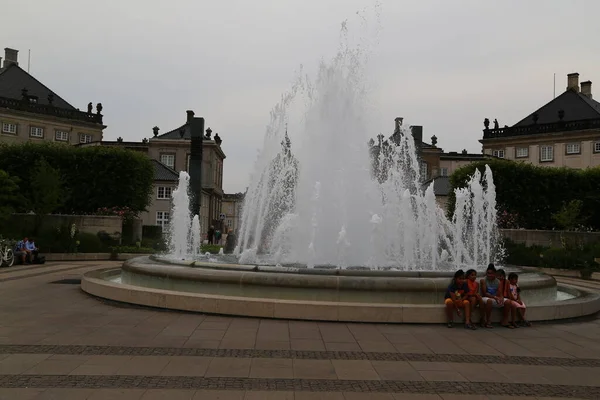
56,342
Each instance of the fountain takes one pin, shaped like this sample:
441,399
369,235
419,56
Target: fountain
330,233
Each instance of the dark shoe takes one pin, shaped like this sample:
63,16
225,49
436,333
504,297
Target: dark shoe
450,325
471,327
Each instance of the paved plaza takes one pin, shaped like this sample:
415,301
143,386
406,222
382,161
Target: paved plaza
56,342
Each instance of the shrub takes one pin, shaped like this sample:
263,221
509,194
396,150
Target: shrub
210,248
90,243
152,232
157,245
10,196
94,177
579,257
534,194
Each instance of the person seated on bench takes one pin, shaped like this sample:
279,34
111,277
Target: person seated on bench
32,250
21,252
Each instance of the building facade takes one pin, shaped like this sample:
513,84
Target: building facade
563,133
31,112
170,153
173,150
232,211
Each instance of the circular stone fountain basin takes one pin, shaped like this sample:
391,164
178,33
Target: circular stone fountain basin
314,294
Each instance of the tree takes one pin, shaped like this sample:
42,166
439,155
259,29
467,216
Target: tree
10,197
569,217
46,193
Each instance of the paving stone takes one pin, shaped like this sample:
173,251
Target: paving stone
56,340
136,385
41,350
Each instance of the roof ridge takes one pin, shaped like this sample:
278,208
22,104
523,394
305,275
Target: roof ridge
38,81
587,101
171,131
165,166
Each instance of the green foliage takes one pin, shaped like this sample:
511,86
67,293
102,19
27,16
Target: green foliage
210,248
152,232
159,245
534,194
578,257
569,217
94,176
46,193
90,243
10,196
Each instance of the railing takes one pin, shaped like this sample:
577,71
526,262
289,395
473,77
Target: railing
541,128
77,115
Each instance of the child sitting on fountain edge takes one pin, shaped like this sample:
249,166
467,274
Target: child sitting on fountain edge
474,297
455,300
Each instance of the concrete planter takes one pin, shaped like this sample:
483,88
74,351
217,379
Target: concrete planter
88,256
570,273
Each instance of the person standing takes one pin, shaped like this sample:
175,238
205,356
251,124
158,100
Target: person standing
211,235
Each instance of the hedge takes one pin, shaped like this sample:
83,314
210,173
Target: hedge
532,194
577,257
93,177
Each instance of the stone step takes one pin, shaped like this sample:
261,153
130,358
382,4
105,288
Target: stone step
579,282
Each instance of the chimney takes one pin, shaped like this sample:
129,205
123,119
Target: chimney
190,115
10,57
417,134
398,124
573,82
586,89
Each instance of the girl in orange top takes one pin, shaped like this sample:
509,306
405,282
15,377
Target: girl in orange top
474,296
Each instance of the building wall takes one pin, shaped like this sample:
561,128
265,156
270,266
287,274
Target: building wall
212,173
158,204
232,208
452,165
589,144
442,202
84,223
432,159
25,121
212,161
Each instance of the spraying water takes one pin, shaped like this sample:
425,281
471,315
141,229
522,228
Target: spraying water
317,202
320,195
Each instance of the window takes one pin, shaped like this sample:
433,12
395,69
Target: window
85,138
597,147
546,153
164,192
61,136
168,160
498,153
34,131
444,172
162,220
7,127
573,148
522,152
423,170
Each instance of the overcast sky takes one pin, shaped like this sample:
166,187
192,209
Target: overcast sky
442,64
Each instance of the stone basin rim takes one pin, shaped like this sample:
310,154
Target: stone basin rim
408,281
95,283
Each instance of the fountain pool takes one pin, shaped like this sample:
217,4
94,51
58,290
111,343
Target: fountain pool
332,230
